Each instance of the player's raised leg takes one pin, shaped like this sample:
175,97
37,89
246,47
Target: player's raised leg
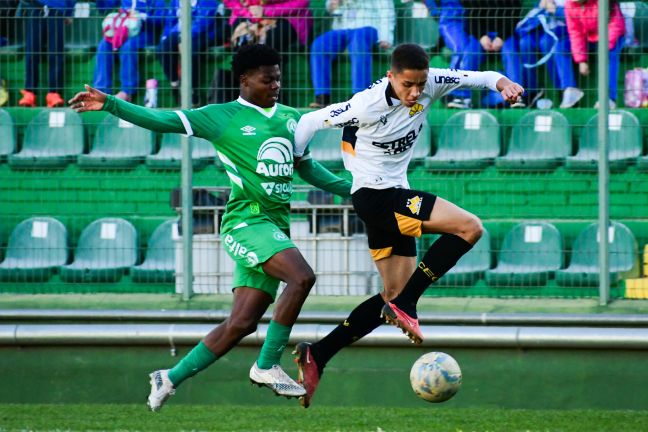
460,231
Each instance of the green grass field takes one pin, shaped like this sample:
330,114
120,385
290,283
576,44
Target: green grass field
240,418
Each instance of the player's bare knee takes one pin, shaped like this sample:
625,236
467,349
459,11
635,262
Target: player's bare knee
241,326
474,229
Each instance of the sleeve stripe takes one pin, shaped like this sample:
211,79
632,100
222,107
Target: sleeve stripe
185,122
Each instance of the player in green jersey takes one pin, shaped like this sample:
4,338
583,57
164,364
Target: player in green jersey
253,137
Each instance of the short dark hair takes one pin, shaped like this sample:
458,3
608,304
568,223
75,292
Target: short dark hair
409,56
254,56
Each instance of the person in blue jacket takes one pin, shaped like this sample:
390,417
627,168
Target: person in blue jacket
153,14
44,33
543,39
205,31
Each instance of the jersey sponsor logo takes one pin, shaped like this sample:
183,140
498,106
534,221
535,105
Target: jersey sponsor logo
440,79
401,144
275,158
336,112
375,83
417,108
414,204
353,122
278,188
248,130
291,125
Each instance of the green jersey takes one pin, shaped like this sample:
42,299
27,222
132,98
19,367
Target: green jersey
256,148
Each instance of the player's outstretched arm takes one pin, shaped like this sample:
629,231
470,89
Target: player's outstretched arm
156,120
314,173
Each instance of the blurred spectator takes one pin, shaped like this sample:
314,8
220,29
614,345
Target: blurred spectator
143,15
205,30
44,21
543,32
357,26
8,33
582,24
283,24
465,48
492,23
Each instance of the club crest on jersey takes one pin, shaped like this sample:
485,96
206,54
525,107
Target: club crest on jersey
414,204
248,130
291,125
417,108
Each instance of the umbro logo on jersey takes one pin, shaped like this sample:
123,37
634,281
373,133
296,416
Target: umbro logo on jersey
417,108
383,120
414,204
248,130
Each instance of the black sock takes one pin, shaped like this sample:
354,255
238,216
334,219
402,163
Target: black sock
361,321
441,257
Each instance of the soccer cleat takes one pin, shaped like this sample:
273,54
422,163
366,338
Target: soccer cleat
28,99
54,100
410,326
161,389
308,372
276,380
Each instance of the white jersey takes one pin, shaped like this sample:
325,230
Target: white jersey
379,132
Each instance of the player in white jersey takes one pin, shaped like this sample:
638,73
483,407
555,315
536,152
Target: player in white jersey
380,128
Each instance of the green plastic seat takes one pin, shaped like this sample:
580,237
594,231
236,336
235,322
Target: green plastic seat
471,267
423,146
84,32
106,249
531,252
469,140
624,143
53,139
170,155
7,135
583,270
159,264
325,147
420,30
642,163
118,144
37,247
541,140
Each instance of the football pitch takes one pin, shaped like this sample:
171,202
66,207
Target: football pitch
184,417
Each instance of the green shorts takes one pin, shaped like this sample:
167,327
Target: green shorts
250,247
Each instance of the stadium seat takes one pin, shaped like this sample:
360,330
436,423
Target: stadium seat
84,32
106,249
471,267
530,253
642,163
118,144
53,139
414,25
583,270
159,263
7,135
423,147
325,147
37,247
469,140
540,140
624,143
170,155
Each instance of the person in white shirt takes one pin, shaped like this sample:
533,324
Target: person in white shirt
380,128
357,26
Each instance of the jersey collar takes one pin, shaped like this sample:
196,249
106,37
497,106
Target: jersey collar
268,114
390,100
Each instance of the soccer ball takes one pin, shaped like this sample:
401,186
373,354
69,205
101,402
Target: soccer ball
435,377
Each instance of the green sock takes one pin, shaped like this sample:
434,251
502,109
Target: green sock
274,345
198,359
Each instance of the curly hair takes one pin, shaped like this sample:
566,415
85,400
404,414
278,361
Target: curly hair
254,56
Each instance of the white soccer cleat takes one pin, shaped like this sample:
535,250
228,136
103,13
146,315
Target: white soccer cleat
161,389
276,380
